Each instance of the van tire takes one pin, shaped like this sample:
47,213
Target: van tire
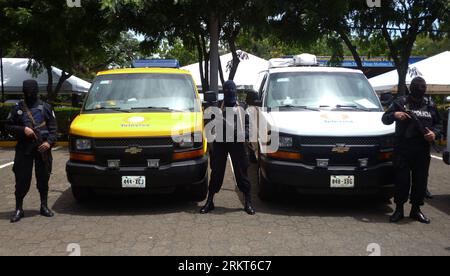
267,192
199,192
82,194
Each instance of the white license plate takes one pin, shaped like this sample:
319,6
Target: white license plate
135,182
344,182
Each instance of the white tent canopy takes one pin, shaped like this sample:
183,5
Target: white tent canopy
15,73
246,75
435,70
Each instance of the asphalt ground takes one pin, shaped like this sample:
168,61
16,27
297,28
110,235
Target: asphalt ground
168,225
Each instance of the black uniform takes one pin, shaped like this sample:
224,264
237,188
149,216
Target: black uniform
39,117
412,151
238,154
235,133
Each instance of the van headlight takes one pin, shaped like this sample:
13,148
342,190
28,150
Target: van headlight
188,141
83,144
286,142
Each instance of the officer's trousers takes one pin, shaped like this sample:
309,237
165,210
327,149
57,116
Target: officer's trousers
23,170
240,161
412,165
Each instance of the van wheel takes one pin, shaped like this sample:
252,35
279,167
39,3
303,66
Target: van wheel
82,194
267,191
199,192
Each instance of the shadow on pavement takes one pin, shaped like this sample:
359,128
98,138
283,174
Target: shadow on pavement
441,202
362,208
28,214
123,205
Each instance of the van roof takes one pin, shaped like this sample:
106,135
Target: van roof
144,71
314,70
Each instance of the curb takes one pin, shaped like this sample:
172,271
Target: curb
12,144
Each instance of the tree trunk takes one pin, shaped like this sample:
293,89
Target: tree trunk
232,44
206,64
64,76
53,94
352,49
402,73
214,51
1,72
49,81
235,64
200,62
222,78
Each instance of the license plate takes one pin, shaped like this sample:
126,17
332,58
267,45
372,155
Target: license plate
135,182
345,182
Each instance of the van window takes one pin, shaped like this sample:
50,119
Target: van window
168,92
324,90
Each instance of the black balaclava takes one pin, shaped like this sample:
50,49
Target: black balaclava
230,94
418,88
30,91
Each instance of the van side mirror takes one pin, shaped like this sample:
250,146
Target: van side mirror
210,97
447,100
253,99
386,99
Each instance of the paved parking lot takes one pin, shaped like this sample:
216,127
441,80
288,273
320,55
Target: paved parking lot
170,226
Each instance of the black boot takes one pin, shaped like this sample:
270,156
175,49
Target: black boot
209,206
249,206
416,214
45,211
398,215
19,213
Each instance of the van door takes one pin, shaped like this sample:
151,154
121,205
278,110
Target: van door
254,145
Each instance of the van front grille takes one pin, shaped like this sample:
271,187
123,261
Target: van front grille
332,141
127,142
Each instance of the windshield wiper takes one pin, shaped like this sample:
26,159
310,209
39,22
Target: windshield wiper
355,107
157,108
118,109
304,107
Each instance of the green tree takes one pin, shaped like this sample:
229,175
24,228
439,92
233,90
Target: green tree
400,23
56,35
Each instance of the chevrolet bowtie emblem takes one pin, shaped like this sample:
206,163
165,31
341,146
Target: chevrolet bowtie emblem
133,150
341,149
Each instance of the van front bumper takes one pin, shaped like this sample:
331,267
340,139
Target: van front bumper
312,180
164,179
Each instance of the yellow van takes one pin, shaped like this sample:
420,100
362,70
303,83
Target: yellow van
140,131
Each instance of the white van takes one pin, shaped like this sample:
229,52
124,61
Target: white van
331,137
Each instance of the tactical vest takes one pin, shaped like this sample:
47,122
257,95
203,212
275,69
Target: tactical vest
35,118
423,112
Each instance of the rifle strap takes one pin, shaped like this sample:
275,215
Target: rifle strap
30,116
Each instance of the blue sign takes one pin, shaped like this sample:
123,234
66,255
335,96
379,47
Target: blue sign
156,63
370,63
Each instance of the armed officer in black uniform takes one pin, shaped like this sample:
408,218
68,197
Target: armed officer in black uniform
236,149
33,123
418,125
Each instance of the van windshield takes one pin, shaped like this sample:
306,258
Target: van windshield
335,91
141,92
